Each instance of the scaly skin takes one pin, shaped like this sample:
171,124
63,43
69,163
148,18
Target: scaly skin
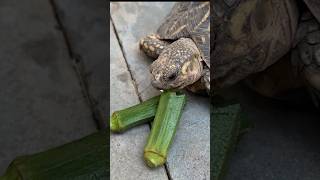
249,37
299,68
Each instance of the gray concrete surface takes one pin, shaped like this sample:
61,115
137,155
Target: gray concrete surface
189,156
126,150
41,101
284,143
85,25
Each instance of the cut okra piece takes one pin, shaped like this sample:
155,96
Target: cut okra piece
164,127
226,128
135,115
85,158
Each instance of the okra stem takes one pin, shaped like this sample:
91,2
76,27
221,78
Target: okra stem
163,128
135,115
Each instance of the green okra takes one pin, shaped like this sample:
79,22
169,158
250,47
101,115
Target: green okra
226,128
135,115
164,127
85,158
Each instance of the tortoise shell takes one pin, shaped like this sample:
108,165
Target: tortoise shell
189,20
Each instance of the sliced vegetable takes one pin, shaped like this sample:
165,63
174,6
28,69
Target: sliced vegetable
164,127
82,159
135,115
226,127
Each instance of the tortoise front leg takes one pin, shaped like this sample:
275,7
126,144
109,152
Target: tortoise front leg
152,45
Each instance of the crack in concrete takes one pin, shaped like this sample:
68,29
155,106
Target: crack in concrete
78,67
125,59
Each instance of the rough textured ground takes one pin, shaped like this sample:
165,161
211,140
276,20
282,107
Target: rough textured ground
189,156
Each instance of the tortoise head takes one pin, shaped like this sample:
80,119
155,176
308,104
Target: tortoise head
178,65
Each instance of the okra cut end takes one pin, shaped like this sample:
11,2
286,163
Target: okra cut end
154,159
114,123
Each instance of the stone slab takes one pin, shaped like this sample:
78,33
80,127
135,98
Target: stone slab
41,102
126,150
189,156
85,25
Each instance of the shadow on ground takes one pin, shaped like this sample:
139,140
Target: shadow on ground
284,143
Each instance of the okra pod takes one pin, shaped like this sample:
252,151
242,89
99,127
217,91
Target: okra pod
164,127
226,129
81,159
135,115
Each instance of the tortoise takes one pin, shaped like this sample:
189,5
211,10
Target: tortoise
273,45
181,48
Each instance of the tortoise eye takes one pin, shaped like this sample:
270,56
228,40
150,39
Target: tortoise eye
172,76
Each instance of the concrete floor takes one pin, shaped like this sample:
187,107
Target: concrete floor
189,155
43,100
